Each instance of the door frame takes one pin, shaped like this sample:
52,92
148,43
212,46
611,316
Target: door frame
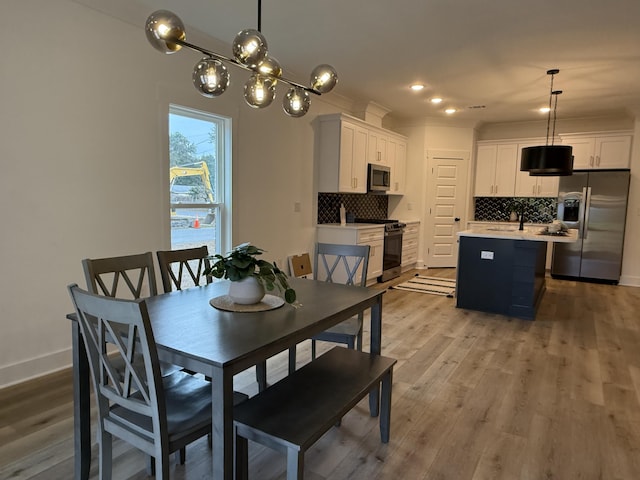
432,154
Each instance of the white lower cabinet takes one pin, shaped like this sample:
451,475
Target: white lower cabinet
357,234
410,245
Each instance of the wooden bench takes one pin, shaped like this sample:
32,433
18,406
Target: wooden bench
293,414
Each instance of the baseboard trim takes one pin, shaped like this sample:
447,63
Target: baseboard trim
34,368
629,281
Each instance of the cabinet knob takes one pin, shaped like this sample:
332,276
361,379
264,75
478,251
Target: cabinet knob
457,219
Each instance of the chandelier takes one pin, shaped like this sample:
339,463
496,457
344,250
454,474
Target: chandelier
548,160
166,33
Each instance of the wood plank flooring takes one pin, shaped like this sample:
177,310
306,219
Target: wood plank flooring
476,396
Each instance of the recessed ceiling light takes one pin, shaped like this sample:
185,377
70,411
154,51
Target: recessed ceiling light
544,110
449,111
436,100
416,87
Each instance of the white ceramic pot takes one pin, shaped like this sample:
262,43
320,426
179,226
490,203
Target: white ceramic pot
246,291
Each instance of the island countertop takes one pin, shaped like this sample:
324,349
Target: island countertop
511,232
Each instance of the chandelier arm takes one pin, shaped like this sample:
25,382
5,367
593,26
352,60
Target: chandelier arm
232,61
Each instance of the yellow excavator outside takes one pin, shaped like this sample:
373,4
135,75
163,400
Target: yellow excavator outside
200,170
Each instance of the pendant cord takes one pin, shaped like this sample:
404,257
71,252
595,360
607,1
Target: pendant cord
555,106
549,114
260,15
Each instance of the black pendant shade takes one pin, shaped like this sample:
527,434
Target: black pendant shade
547,160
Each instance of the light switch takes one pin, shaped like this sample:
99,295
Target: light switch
486,255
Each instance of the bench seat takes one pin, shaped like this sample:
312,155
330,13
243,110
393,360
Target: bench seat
293,414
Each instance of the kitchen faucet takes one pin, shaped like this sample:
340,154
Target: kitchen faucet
521,221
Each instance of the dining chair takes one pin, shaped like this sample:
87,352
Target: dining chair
129,277
345,264
158,415
183,268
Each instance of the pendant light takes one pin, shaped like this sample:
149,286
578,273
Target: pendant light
548,160
166,33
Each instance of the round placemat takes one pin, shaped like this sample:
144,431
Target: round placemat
268,302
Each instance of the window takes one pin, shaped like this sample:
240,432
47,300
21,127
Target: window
199,167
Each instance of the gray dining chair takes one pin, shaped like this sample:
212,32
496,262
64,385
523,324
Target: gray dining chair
183,268
158,415
129,277
345,264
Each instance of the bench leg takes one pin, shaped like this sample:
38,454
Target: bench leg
242,458
295,464
385,407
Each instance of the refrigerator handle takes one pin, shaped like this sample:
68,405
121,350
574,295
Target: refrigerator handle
587,206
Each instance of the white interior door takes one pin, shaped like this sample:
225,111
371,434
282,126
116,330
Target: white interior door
446,206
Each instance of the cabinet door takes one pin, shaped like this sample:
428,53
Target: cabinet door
399,168
375,259
377,148
526,185
505,171
612,152
582,150
485,170
353,151
547,186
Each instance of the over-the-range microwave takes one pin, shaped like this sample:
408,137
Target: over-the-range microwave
378,178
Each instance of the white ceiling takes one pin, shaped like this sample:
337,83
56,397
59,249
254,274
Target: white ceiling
491,53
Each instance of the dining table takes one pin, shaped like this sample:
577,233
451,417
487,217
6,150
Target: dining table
192,333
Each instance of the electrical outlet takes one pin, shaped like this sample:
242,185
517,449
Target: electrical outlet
409,206
486,255
296,207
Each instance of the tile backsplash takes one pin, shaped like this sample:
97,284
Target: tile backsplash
359,205
498,209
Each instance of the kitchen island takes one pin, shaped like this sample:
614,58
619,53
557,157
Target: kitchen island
502,269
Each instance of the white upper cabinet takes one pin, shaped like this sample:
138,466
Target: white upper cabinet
533,186
599,150
397,158
347,145
496,169
377,147
343,156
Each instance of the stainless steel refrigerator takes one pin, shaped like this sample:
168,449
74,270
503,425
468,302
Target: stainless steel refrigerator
595,203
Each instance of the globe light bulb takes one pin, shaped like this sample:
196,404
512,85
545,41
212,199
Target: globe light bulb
210,77
259,91
161,27
323,78
296,102
270,66
249,47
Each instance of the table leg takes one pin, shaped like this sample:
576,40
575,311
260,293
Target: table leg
81,405
261,375
222,425
376,349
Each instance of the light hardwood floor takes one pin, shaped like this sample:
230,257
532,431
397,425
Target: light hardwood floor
475,396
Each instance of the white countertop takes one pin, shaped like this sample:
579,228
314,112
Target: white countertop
511,232
354,226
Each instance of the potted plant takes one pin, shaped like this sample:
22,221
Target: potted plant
249,276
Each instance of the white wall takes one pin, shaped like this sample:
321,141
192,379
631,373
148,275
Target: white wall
83,149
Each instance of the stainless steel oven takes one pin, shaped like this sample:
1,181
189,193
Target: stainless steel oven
392,251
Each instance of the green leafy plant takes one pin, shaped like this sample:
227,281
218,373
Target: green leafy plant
242,262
